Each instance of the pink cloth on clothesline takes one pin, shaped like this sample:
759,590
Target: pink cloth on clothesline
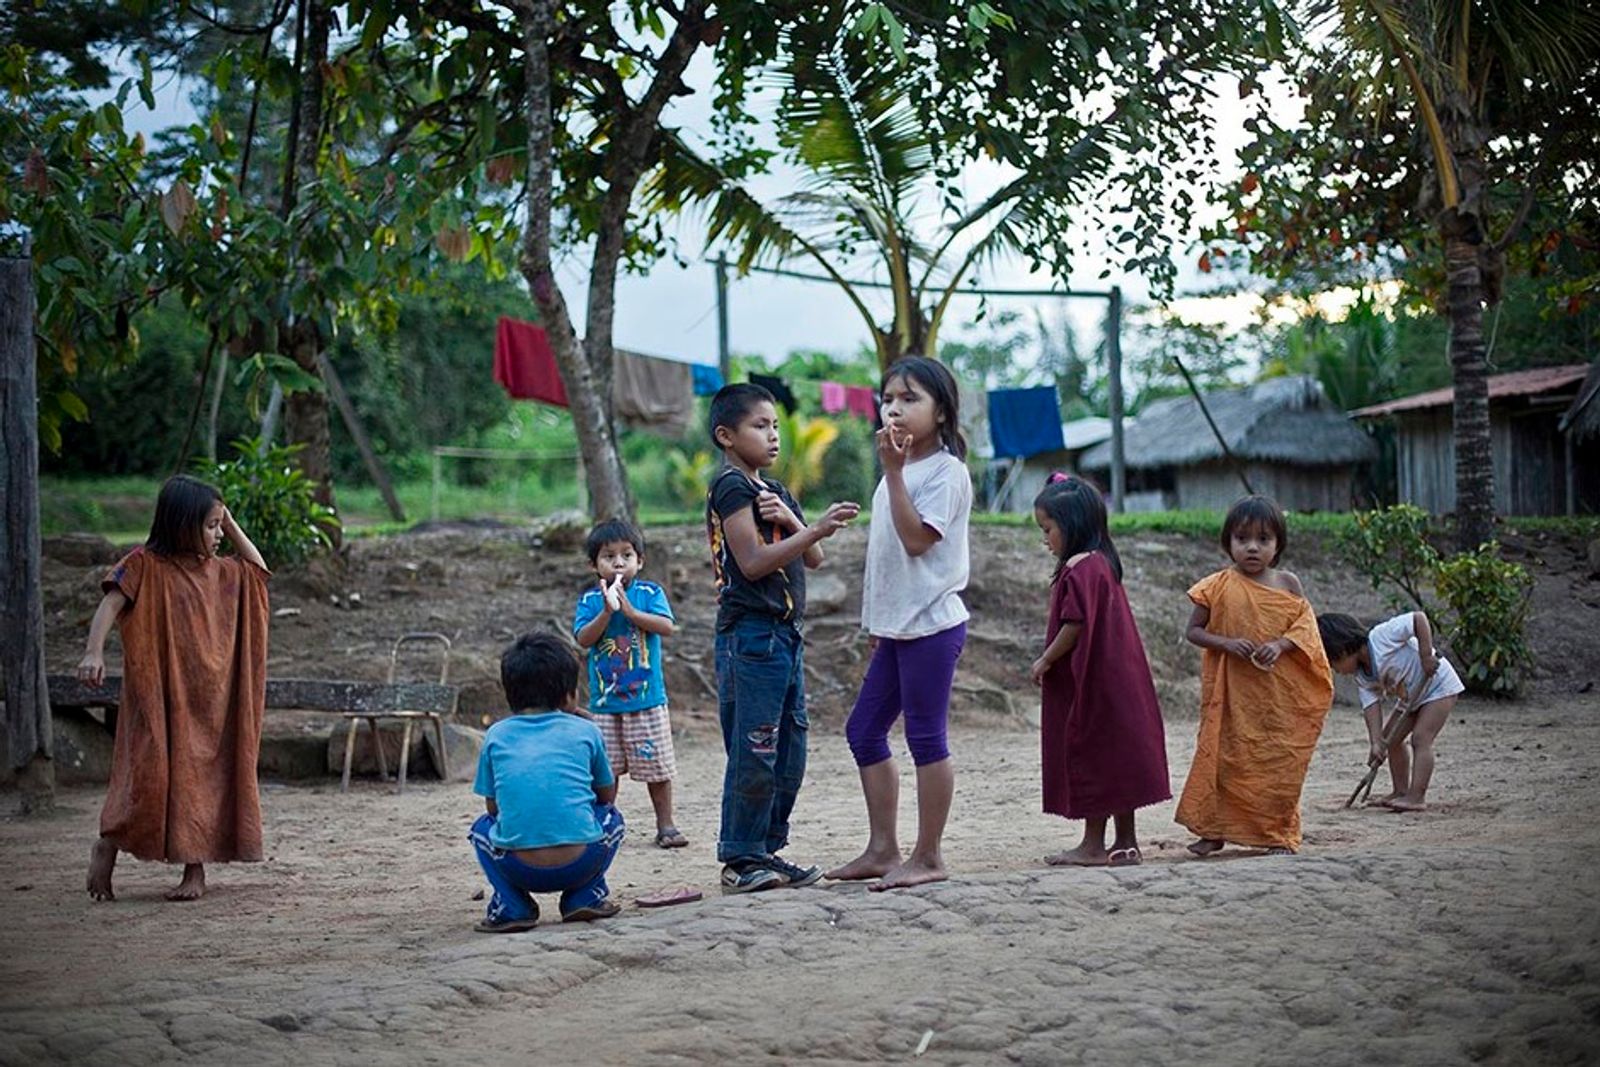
834,398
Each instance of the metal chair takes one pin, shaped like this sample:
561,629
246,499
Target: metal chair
408,717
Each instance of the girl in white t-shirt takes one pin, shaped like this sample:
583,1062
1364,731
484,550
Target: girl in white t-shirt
916,623
1396,658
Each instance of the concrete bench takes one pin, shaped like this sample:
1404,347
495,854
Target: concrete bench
408,702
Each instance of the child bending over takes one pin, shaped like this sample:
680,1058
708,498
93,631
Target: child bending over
1397,657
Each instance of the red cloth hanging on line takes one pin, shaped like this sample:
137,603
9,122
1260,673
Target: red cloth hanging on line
525,364
858,400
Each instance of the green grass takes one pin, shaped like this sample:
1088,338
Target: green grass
119,508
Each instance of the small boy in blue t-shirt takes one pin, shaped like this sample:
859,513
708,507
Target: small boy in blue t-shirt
621,621
547,786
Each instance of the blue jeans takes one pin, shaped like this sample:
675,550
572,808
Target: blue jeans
581,883
761,700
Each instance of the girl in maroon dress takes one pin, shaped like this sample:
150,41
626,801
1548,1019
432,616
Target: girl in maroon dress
1102,744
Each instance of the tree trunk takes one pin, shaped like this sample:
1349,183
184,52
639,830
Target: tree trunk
591,420
1463,231
586,368
1474,454
22,675
305,412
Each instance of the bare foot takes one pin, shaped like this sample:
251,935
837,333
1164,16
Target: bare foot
1082,856
1206,846
1384,802
912,872
102,858
865,866
193,886
1405,804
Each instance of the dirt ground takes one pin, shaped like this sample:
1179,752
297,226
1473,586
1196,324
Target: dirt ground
1467,934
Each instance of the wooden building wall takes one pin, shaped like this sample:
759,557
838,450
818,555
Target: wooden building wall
1530,464
1216,485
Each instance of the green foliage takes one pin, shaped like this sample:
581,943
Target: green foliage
806,443
273,501
851,470
689,475
1488,599
1390,545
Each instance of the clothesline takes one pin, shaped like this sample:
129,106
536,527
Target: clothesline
654,392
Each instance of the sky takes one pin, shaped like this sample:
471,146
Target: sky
671,311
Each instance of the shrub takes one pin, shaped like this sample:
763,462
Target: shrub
1391,545
273,501
850,472
689,475
1488,599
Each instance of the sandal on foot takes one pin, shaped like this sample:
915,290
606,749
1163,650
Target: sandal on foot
603,910
1124,857
671,837
508,926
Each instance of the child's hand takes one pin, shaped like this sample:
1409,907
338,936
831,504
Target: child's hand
894,448
1037,671
836,517
1267,655
612,593
1375,754
1430,665
770,507
1239,646
92,669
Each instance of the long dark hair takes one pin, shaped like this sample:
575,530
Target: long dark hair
1075,505
181,509
940,384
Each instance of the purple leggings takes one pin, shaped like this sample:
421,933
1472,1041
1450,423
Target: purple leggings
912,676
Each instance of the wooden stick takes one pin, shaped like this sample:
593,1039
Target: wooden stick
1392,732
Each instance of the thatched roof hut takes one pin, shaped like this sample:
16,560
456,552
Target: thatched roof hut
1293,444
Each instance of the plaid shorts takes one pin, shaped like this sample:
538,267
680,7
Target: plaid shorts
639,744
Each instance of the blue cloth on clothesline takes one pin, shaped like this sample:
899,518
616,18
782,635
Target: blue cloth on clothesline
707,379
1025,422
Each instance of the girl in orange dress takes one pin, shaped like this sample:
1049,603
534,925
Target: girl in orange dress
194,651
1265,687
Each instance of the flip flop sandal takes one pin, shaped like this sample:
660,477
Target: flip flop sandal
671,837
666,898
510,926
1124,857
603,910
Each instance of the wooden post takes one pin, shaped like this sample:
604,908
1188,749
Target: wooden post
1222,442
724,359
1119,464
22,674
341,400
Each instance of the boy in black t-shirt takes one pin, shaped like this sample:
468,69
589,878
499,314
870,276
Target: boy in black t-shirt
760,548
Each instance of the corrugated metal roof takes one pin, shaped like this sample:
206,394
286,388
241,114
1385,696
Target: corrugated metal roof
1514,383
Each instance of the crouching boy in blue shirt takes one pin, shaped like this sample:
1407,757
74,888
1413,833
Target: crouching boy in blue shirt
550,826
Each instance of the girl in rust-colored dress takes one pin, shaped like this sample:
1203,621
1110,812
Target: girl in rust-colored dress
1102,743
194,652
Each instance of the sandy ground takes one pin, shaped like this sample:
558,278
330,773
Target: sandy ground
1468,934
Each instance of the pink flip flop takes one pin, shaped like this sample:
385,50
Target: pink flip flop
666,898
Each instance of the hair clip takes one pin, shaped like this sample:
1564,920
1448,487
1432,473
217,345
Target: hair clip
1056,476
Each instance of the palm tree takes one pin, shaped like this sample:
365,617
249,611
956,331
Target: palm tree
851,124
1456,63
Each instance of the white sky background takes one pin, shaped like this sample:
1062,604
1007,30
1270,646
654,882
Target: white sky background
672,311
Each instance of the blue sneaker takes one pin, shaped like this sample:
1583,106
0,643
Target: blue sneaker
750,876
793,875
